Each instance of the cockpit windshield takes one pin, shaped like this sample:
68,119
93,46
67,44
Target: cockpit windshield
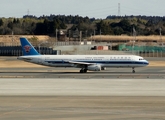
141,58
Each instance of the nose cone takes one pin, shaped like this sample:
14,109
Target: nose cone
146,62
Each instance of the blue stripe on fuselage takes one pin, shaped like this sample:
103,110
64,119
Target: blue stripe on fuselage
102,62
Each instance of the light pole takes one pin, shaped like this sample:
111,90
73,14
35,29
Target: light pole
80,36
41,43
56,35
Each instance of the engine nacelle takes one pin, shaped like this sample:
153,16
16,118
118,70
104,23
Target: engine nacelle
103,68
94,68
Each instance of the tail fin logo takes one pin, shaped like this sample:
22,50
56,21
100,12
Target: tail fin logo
27,48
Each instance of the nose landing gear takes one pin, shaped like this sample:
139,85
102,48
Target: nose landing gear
133,70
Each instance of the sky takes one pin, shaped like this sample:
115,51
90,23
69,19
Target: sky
98,9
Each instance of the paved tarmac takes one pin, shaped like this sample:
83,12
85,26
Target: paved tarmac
82,108
81,87
110,73
79,99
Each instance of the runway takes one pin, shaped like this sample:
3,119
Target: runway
110,73
81,98
89,99
81,87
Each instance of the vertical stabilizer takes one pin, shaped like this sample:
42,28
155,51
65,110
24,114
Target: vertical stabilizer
27,48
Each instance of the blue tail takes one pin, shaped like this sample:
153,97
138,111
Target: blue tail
27,48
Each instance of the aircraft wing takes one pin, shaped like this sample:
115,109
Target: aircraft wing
81,63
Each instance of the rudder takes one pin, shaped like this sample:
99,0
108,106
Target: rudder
27,48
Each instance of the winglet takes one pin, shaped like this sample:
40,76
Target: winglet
27,48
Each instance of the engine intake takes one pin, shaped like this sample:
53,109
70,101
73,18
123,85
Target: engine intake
94,68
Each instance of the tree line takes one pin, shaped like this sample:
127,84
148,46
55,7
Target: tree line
112,25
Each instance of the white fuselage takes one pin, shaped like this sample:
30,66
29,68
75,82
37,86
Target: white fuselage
102,60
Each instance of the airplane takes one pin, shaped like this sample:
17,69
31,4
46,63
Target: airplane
85,62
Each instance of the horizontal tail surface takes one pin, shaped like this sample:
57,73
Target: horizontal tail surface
27,48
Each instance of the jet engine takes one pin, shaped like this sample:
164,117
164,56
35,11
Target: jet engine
94,68
103,68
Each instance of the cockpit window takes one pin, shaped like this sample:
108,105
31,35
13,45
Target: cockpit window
141,58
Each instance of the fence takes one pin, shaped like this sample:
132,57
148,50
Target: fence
148,53
114,52
17,51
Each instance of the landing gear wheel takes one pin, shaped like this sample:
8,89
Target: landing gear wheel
83,70
133,70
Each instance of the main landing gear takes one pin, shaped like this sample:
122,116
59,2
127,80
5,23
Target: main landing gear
83,70
133,70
